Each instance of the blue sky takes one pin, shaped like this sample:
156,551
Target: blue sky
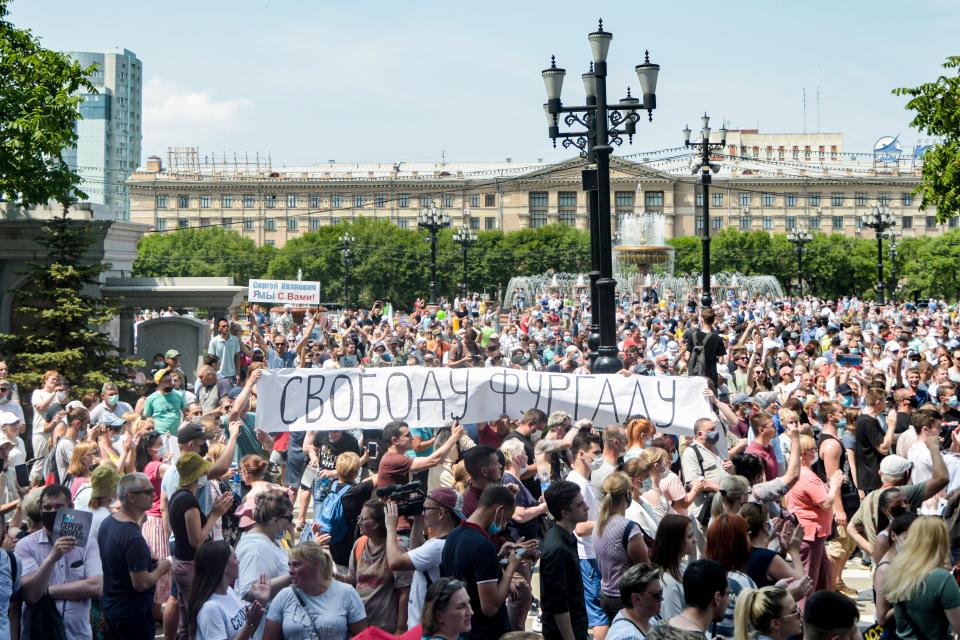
310,81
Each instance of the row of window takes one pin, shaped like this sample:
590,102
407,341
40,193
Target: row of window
837,199
768,223
312,201
292,224
754,152
623,201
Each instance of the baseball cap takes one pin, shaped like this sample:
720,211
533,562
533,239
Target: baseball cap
447,497
159,375
765,399
844,389
171,353
110,420
7,417
740,398
192,431
894,465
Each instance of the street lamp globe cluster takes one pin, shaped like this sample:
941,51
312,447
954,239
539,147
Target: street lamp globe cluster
346,251
880,219
799,239
704,169
599,126
433,220
466,238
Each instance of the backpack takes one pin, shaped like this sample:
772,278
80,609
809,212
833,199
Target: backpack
697,366
330,515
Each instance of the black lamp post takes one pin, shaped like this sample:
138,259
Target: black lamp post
703,167
800,240
894,245
346,242
433,220
464,237
599,132
880,219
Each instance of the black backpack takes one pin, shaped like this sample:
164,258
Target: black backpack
697,366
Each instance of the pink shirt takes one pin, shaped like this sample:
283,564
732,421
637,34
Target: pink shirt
804,501
766,456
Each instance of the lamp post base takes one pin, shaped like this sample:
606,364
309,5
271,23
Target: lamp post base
706,301
607,361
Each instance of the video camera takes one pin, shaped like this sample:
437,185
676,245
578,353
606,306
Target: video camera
408,498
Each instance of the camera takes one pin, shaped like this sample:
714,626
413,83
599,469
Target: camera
408,498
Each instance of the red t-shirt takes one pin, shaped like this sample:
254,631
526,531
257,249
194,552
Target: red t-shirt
767,456
394,469
489,436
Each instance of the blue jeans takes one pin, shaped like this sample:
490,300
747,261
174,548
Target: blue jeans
590,574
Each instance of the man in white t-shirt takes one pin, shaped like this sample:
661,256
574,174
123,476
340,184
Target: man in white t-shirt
587,458
442,511
927,427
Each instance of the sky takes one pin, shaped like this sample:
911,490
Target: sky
309,81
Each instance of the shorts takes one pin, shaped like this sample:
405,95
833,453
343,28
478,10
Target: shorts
590,574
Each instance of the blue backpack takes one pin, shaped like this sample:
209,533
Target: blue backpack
330,514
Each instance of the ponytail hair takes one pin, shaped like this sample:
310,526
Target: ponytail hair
756,609
616,488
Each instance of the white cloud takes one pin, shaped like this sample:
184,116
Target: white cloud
167,105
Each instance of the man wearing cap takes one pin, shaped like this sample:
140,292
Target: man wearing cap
172,360
8,400
129,572
164,405
442,512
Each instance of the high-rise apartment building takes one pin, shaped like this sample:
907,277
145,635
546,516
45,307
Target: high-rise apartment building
109,131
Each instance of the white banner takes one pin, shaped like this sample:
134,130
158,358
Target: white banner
328,399
284,291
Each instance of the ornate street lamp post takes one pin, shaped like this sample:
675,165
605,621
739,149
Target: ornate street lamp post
433,220
346,251
703,167
799,239
466,238
894,245
602,127
880,219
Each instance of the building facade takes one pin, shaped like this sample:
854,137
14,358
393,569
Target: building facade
273,206
109,131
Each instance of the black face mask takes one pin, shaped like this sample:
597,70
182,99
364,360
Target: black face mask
897,511
48,518
203,450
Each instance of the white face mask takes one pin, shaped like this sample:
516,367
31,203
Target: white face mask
597,462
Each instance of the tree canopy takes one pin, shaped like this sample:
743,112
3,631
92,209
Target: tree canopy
210,251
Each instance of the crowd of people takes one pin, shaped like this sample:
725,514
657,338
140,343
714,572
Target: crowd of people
831,437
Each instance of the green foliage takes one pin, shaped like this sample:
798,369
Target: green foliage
209,251
39,103
937,108
62,331
688,256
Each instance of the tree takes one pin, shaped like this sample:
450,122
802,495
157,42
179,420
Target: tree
689,255
205,252
937,108
39,103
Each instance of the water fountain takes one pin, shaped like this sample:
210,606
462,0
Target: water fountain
642,248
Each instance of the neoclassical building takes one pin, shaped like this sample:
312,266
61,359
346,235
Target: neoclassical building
760,185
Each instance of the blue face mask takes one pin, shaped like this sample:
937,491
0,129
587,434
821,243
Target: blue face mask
953,402
493,528
842,423
846,401
854,351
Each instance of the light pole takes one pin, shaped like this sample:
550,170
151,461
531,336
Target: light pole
894,244
346,244
800,240
464,237
433,220
880,219
599,132
703,167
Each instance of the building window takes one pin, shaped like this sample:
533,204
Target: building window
358,201
796,153
270,224
884,199
183,202
931,222
336,200
716,223
425,202
791,222
248,201
746,222
652,202
952,223
475,223
204,202
248,224
271,243
698,223
161,224
836,199
489,200
567,207
906,198
314,223
791,200
183,223
767,200
204,222
447,201
403,200
806,153
744,199
814,223
538,208
313,200
716,200
698,200
813,199
860,199
270,201
334,220
162,201
489,223
858,223
291,201
380,200
474,199
767,223
226,222
403,223
226,202
291,224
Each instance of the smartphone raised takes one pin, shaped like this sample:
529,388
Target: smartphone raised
373,450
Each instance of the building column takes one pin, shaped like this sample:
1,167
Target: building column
127,344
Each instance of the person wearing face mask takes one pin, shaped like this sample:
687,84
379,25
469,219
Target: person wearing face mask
164,405
471,555
77,420
9,401
617,540
109,405
614,446
69,573
483,464
702,461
